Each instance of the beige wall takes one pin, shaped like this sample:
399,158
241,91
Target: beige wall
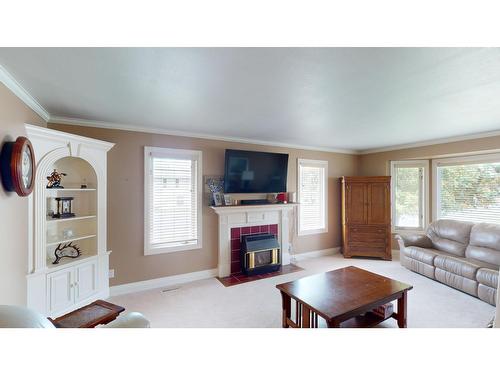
126,196
379,163
13,209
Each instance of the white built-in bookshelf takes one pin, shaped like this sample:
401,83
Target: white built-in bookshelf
80,229
55,289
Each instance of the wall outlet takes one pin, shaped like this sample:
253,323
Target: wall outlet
111,273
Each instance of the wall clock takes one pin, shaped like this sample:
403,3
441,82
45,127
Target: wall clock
18,166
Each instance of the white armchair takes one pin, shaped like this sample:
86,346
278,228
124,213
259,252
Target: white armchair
22,317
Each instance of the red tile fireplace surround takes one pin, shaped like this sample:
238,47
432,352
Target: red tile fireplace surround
236,235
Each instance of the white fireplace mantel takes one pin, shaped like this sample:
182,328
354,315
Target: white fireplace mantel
242,216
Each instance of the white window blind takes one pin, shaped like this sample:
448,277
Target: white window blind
409,194
468,189
173,195
312,194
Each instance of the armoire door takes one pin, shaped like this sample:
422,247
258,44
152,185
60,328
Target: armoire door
378,203
356,203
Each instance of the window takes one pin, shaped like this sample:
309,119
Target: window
172,186
468,188
312,196
410,186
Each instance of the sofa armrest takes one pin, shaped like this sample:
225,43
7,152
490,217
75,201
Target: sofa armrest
128,320
413,239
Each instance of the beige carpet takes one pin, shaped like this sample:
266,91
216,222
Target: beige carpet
207,303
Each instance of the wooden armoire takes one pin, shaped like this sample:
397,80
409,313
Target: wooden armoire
366,216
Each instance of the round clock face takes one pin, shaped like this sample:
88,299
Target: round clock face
27,167
18,166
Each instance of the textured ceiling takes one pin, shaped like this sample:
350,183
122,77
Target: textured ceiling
345,98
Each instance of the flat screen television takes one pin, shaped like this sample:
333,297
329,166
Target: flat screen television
255,172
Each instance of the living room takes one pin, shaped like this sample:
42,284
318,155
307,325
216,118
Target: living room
333,186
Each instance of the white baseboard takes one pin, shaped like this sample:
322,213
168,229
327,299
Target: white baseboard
161,282
317,253
194,276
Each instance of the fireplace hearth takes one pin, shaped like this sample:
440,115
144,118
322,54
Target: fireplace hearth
260,253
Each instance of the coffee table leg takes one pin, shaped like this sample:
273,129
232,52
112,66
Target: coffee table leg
333,324
306,317
402,306
286,302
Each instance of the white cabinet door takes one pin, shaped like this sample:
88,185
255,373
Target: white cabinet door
85,280
60,291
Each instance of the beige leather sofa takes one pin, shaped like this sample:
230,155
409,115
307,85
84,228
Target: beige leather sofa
463,255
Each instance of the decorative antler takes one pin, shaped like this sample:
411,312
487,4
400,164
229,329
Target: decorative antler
68,250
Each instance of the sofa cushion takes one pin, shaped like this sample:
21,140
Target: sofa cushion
421,254
487,277
417,266
484,243
451,236
456,281
457,266
487,294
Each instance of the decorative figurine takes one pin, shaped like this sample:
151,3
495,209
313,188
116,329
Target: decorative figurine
64,208
68,233
55,180
66,251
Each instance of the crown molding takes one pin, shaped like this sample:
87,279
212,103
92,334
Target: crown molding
47,133
127,127
10,82
13,85
438,141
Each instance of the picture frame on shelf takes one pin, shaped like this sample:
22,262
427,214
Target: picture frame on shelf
217,197
227,200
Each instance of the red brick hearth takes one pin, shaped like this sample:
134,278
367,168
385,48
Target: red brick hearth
237,233
240,278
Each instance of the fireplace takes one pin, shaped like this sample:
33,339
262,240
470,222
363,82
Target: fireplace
237,221
260,253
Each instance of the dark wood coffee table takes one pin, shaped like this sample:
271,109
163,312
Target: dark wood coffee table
89,316
343,297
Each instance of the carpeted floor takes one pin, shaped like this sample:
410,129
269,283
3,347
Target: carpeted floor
207,303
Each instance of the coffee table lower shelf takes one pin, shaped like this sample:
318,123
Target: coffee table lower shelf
368,320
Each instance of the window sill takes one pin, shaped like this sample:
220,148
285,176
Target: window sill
311,232
174,249
406,231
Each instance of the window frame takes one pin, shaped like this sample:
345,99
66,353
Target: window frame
173,153
470,159
324,165
424,194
